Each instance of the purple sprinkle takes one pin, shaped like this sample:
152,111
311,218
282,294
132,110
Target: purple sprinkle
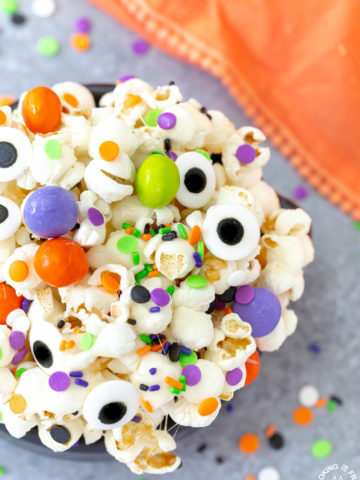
192,373
154,309
245,153
154,388
197,258
25,304
166,348
245,294
136,419
81,382
76,373
229,407
19,356
166,120
185,350
300,192
95,217
140,46
160,297
218,304
233,377
59,381
125,78
83,25
17,340
172,155
75,445
152,371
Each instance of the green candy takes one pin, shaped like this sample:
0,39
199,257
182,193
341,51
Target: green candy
196,281
157,181
321,448
48,46
151,117
127,244
9,6
53,149
87,341
187,359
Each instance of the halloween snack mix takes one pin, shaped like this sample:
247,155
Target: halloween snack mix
143,264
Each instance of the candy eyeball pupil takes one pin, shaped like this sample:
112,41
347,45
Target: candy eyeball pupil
195,180
42,354
112,412
230,231
8,154
4,213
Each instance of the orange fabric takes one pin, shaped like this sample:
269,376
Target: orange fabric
294,66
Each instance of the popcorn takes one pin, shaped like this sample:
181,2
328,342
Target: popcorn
143,262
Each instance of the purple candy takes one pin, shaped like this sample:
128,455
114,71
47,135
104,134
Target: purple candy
50,212
95,216
83,25
19,356
172,155
192,373
59,381
140,46
263,312
160,297
300,192
245,294
245,153
166,120
17,340
233,377
125,78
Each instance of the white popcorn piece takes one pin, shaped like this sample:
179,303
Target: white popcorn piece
192,328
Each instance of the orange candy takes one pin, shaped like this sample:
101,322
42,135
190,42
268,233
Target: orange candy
208,406
302,416
9,301
71,100
18,271
41,110
252,368
109,151
80,41
17,404
61,262
249,443
2,118
110,281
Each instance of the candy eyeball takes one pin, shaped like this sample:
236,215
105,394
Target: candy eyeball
45,340
230,232
15,151
111,404
10,218
197,180
110,138
74,96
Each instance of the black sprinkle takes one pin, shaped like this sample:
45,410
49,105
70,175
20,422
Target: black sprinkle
228,295
176,399
211,307
174,352
131,321
276,441
75,413
220,459
216,158
60,434
61,324
147,228
167,144
336,399
18,19
140,294
76,227
172,82
143,387
158,228
169,236
201,448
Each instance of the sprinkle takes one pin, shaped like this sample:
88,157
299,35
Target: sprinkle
127,244
250,477
175,352
152,371
219,459
95,217
76,373
194,235
164,230
357,226
81,382
276,441
125,78
229,407
173,383
61,324
166,120
336,399
308,396
146,339
17,404
300,192
25,304
154,388
129,230
196,281
154,309
143,387
154,273
131,321
9,6
249,443
201,448
144,350
136,419
302,416
245,294
141,274
136,233
48,46
245,154
59,381
148,406
151,117
126,225
170,290
169,236
53,149
148,267
87,341
188,359
268,473
201,250
321,448
140,46
270,430
19,356
80,41
185,350
18,19
197,258
174,391
331,406
228,310
17,339
146,237
19,372
82,24
158,347
322,402
182,231
166,348
172,155
314,347
208,406
203,152
43,8
160,297
192,374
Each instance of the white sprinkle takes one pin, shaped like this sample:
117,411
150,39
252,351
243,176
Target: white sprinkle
308,396
269,473
43,8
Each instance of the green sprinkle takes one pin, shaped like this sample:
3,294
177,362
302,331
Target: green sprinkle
182,231
136,233
203,152
170,290
2,470
157,153
87,341
141,274
196,281
53,149
164,230
152,233
148,267
146,339
1,416
127,244
151,117
188,359
331,406
174,390
126,225
9,6
321,448
182,380
137,282
201,249
357,226
48,46
136,258
19,372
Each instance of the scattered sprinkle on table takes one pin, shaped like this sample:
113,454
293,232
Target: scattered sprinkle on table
80,41
9,6
140,46
43,8
83,25
321,448
48,46
249,443
357,226
300,192
269,473
308,396
302,416
18,19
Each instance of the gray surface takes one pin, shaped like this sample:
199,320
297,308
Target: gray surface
328,311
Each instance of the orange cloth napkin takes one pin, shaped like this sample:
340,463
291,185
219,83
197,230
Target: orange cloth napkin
294,66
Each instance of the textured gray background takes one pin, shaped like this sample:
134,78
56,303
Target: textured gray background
328,312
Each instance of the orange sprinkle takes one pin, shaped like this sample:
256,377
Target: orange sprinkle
109,151
2,118
144,350
270,431
70,344
17,404
71,100
80,41
6,100
62,346
228,310
249,443
208,406
129,230
167,225
194,235
110,281
322,402
154,266
174,383
250,477
146,237
18,271
78,330
158,346
152,274
148,406
132,100
302,416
